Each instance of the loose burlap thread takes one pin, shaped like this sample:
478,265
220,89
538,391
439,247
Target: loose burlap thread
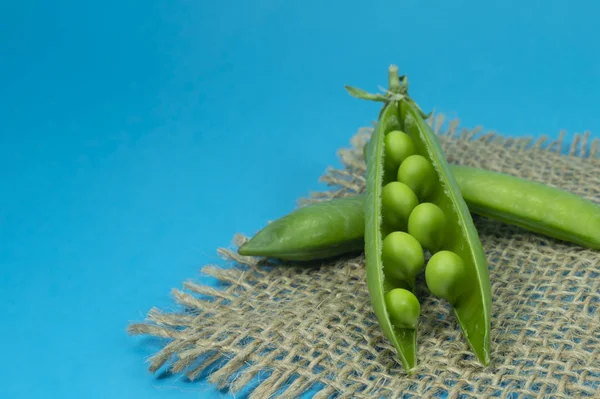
312,329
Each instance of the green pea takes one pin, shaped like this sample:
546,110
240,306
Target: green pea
403,307
444,275
418,173
397,201
398,147
402,256
427,224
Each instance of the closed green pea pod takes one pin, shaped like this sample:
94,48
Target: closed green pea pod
531,205
318,231
499,196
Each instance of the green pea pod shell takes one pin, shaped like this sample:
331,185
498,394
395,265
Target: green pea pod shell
534,206
452,230
318,231
403,339
473,307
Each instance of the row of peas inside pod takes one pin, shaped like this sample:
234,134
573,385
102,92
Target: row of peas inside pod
411,225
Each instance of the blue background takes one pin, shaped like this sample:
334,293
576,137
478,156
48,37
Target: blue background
136,137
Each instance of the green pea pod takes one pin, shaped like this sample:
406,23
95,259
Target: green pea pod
317,231
403,339
473,308
441,222
531,205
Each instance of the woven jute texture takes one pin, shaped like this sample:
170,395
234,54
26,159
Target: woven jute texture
312,329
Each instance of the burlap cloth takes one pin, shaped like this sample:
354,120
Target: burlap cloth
311,330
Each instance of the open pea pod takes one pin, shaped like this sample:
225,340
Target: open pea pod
402,335
412,205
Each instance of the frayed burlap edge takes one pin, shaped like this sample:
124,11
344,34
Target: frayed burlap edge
227,363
